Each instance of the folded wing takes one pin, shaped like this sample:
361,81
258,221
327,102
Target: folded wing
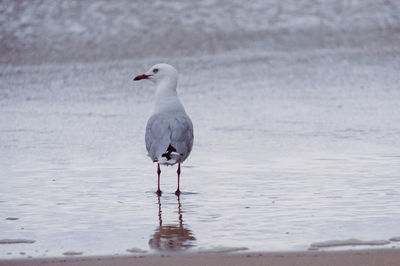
169,137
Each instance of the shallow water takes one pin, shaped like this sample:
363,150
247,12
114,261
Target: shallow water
289,149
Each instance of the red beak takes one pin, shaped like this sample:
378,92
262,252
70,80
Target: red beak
143,76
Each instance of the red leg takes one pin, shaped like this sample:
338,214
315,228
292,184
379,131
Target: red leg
178,192
158,173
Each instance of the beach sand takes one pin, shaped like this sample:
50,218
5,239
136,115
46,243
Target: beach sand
381,257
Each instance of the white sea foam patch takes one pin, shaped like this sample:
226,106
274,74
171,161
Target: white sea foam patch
223,250
136,250
349,242
72,253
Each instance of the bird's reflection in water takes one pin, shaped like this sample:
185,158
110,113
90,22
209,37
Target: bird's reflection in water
172,237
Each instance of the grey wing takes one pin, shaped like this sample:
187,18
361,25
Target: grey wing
157,136
167,129
182,136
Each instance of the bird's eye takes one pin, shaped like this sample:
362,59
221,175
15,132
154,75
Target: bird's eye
155,70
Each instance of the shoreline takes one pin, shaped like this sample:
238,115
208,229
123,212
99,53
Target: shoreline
368,257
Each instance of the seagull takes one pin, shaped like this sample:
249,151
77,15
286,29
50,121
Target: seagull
169,130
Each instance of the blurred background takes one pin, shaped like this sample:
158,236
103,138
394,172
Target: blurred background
63,30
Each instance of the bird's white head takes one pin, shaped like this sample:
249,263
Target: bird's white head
162,75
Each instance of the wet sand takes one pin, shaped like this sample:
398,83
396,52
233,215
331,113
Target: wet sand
381,257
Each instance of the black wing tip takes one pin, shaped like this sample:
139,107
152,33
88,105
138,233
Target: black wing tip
170,150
